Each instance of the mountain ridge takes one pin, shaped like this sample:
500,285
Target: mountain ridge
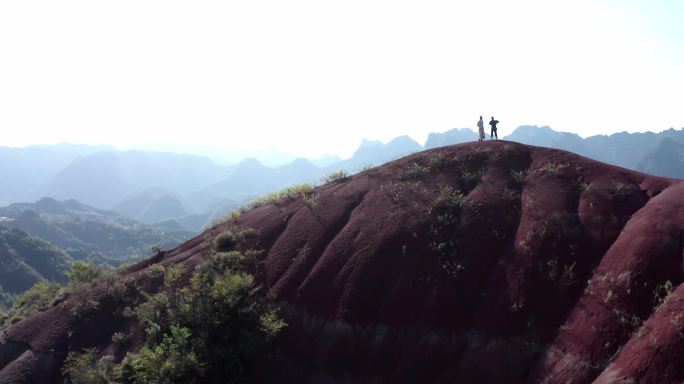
481,262
121,179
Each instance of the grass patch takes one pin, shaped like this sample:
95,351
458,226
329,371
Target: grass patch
663,293
552,168
414,170
519,176
335,177
623,189
304,191
451,197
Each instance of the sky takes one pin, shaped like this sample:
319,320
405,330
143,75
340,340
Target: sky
314,77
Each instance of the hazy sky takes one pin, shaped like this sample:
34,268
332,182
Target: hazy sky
318,76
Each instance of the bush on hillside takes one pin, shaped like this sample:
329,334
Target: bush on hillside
85,368
84,272
43,295
214,330
217,321
224,241
39,297
335,177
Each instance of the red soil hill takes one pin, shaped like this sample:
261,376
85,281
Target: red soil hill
488,262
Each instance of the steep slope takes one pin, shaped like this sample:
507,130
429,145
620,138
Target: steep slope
489,262
26,260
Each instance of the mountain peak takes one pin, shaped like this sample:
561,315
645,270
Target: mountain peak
492,256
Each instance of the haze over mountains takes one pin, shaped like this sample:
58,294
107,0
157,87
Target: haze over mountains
87,233
155,187
489,262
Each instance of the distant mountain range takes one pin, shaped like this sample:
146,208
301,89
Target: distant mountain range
629,150
187,191
24,170
665,159
87,233
489,262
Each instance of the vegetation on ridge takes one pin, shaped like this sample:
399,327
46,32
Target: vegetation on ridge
211,328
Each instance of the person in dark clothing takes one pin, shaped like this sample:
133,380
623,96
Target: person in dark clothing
493,124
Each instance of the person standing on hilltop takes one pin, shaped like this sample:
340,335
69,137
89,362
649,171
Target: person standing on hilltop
493,133
480,127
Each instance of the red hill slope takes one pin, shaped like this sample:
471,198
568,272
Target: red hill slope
487,262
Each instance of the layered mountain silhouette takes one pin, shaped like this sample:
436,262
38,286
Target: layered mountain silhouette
624,149
27,169
105,179
454,136
666,159
151,206
485,262
87,233
193,190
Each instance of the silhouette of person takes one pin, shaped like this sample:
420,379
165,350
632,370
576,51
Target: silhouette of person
493,133
480,127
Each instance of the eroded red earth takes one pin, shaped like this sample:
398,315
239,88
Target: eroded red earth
488,262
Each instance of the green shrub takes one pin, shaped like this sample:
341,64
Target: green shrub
84,272
335,177
85,368
173,274
154,270
229,239
214,330
224,241
37,298
81,308
228,261
173,360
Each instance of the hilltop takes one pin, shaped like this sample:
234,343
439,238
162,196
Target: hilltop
489,262
192,190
